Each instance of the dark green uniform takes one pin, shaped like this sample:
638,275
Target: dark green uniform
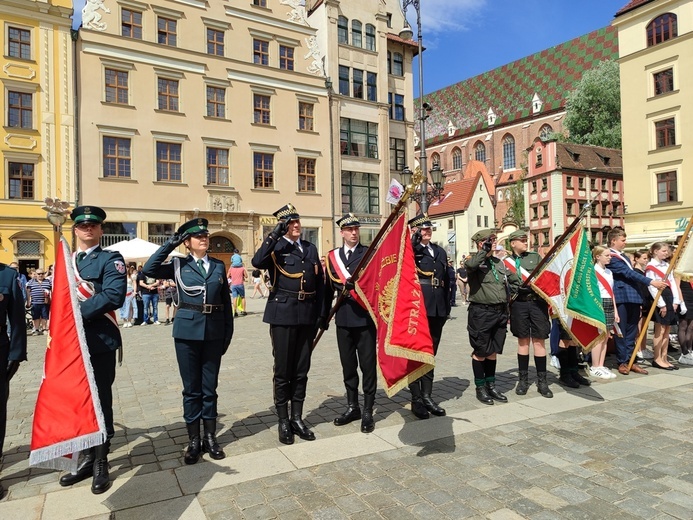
529,314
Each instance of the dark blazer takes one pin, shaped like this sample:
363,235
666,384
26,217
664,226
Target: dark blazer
436,297
627,281
110,286
12,309
350,313
192,324
291,271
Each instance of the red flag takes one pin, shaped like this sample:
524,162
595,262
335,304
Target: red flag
390,291
68,416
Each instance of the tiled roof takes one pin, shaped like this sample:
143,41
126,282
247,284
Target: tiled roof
411,43
474,167
457,196
551,73
633,4
591,158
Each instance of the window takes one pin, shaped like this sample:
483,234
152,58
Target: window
535,237
480,152
544,184
370,37
545,132
169,161
116,86
21,177
581,183
569,208
261,110
343,30
666,187
216,102
215,42
508,152
306,175
218,166
485,221
19,43
396,102
360,193
534,186
435,161
389,62
544,211
168,94
456,159
665,133
260,52
263,170
372,86
305,116
397,64
593,184
166,31
260,3
603,184
499,194
397,154
159,233
661,29
569,182
614,186
663,81
356,33
358,138
357,83
286,57
478,221
131,24
343,80
19,110
116,157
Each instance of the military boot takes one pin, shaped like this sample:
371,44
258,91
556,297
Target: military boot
85,469
495,394
543,386
101,480
286,435
192,452
523,382
430,404
209,441
352,413
367,423
482,395
297,424
418,408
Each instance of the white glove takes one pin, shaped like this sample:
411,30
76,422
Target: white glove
682,308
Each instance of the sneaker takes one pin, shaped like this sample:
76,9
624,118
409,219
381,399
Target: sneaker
639,355
157,322
600,372
143,324
686,359
555,363
34,332
646,354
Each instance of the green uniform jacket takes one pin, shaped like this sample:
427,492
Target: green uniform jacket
483,286
529,260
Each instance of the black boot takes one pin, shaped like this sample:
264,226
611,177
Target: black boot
85,469
209,441
101,481
523,383
430,404
495,394
418,408
297,424
367,423
482,395
286,436
192,452
543,386
577,377
566,365
352,413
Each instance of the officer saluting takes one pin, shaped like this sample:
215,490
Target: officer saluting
355,328
102,274
431,266
202,329
292,310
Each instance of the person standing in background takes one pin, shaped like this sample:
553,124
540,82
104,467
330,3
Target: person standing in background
38,295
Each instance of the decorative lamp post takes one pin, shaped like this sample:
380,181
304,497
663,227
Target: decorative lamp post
57,211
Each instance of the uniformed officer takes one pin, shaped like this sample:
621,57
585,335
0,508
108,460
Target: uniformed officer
529,317
355,328
12,346
431,266
202,329
292,311
490,285
100,273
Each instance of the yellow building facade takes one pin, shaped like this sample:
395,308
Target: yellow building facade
37,151
655,46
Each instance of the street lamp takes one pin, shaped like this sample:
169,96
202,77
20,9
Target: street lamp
434,189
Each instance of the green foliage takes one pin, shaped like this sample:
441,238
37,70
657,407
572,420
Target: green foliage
516,209
594,108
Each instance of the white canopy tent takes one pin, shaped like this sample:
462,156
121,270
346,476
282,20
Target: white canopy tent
137,250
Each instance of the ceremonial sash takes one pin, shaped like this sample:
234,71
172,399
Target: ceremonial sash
85,290
341,271
510,264
616,254
605,283
659,273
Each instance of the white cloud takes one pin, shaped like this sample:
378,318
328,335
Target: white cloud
445,16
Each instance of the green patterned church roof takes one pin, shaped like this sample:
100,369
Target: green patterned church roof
509,89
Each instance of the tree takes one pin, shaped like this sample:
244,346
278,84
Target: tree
593,109
516,209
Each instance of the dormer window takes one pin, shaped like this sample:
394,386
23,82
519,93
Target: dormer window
491,117
537,103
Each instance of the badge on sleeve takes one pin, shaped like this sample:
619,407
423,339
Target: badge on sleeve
120,266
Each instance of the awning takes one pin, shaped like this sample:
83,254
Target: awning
647,239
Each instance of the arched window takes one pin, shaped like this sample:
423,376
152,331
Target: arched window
508,152
661,29
545,131
220,244
499,194
356,33
435,159
343,29
370,37
398,64
457,159
480,152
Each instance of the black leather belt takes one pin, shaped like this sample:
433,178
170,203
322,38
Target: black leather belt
528,298
497,306
300,295
206,308
431,281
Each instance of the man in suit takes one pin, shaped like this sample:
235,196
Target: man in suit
355,328
202,329
12,344
102,274
628,299
431,266
292,311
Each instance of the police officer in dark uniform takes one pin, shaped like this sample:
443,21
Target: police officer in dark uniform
102,273
12,346
292,311
529,318
432,268
355,328
202,329
490,287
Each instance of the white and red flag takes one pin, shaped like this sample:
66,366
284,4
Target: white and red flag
68,416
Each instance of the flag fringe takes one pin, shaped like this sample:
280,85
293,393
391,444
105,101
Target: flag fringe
405,381
56,455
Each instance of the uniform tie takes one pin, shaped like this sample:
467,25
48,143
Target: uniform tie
430,250
80,257
517,266
201,265
348,255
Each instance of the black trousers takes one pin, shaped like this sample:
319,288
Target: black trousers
357,348
199,363
291,348
435,325
104,365
4,392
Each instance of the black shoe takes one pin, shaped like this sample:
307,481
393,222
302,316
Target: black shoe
367,422
101,481
192,452
432,406
567,380
482,395
418,408
300,429
85,469
352,413
580,380
495,394
209,441
286,436
543,386
523,383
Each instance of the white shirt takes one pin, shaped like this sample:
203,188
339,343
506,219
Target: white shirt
609,277
347,249
662,266
205,261
297,243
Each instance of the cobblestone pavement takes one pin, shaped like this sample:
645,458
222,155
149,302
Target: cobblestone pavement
617,449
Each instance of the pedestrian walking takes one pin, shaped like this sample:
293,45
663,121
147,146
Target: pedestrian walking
38,294
452,285
237,276
128,311
257,283
462,284
170,299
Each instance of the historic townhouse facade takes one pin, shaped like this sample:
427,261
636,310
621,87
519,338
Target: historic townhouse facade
37,152
656,46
